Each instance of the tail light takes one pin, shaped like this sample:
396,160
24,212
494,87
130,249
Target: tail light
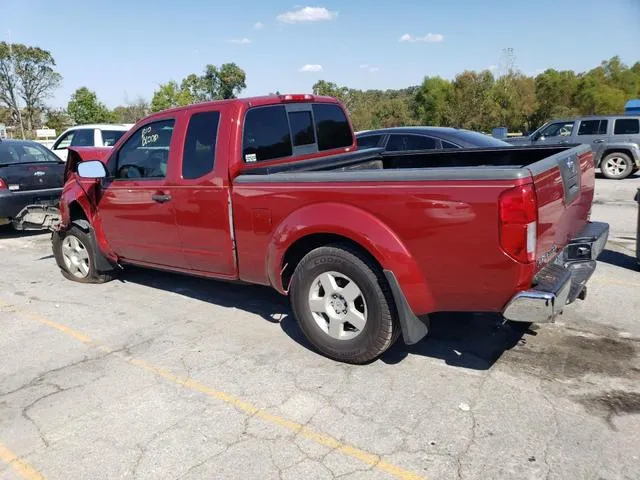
518,223
3,184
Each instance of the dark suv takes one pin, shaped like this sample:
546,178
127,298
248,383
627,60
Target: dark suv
615,140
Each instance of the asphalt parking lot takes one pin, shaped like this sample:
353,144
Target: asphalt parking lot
157,376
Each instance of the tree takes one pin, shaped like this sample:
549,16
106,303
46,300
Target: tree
170,95
26,73
214,84
231,80
432,101
472,105
9,84
58,119
84,108
132,112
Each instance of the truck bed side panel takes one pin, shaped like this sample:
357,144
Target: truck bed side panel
450,228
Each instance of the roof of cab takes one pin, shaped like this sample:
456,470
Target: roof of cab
257,101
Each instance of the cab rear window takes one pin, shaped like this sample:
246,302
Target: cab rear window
281,131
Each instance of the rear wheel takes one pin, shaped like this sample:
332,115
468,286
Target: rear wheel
74,254
343,304
617,166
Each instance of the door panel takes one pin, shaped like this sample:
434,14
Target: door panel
202,202
137,227
136,207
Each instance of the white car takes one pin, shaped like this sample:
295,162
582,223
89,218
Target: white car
103,135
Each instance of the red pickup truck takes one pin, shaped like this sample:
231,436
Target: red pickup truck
273,190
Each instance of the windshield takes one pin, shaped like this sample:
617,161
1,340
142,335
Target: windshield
12,153
478,139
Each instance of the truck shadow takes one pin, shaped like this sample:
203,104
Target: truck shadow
474,341
467,340
618,259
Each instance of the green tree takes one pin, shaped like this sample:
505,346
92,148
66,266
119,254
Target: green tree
515,97
472,104
58,119
84,108
26,73
131,113
231,80
432,101
170,95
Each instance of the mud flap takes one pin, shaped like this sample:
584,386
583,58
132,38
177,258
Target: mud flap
37,217
413,328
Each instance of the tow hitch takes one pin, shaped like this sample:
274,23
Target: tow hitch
37,217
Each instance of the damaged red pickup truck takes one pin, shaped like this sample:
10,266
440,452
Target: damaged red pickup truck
273,191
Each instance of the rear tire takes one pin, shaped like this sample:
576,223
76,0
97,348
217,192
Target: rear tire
74,253
616,166
343,304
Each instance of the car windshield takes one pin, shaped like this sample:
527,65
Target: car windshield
12,153
477,139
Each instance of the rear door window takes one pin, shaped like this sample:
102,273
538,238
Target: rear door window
110,137
266,134
401,142
593,127
83,138
199,154
332,126
626,126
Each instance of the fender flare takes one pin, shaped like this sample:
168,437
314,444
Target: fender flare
361,227
632,149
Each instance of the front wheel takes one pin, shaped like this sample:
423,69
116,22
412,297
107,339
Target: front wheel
617,166
343,304
73,251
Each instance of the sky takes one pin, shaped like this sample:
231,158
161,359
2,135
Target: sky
123,49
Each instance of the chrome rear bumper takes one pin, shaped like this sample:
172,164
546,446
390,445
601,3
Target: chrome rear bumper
561,282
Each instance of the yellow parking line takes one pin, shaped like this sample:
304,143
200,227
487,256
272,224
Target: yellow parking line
20,467
368,458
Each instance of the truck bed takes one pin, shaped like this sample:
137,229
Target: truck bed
445,215
375,165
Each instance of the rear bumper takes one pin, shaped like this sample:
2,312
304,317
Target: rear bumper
11,203
563,281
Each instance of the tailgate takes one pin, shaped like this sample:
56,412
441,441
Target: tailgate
32,176
564,186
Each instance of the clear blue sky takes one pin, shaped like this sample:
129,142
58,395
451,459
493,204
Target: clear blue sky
124,48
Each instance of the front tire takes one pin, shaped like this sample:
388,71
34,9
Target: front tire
74,253
343,304
617,166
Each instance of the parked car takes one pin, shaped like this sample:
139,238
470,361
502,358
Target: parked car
31,179
273,191
614,139
103,135
399,139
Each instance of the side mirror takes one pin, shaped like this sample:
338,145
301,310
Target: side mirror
92,169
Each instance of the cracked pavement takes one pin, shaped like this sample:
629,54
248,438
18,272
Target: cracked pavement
474,400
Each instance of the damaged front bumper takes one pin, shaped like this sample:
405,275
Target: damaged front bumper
563,281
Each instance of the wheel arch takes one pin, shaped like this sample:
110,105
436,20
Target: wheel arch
321,224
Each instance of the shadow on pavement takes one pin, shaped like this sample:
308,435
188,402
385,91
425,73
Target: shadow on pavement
618,259
465,340
7,231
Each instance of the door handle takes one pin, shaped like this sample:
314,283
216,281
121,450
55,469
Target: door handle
598,141
161,197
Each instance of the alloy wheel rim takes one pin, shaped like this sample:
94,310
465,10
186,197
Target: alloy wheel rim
338,305
75,256
616,166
